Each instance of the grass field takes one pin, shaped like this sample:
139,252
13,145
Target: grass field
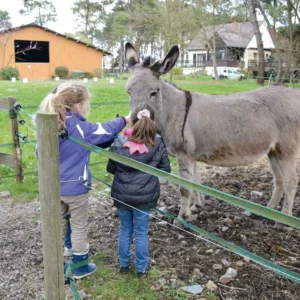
105,106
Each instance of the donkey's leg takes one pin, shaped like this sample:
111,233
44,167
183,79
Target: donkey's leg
290,182
198,197
186,170
278,188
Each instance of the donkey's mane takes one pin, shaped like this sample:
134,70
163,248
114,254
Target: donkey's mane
147,62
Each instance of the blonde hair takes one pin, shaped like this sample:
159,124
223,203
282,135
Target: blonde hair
144,129
62,101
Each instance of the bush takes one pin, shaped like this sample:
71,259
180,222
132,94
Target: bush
177,71
77,74
125,76
88,75
62,72
9,72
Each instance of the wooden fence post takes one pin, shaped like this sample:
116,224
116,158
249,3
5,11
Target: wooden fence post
17,152
14,160
49,189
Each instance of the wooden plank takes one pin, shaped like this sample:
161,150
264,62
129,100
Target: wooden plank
49,188
7,159
4,106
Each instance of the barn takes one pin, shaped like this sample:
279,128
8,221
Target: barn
36,51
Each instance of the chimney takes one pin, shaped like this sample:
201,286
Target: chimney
234,25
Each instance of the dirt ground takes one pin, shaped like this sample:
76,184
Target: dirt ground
181,257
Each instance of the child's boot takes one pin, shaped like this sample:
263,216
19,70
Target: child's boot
83,271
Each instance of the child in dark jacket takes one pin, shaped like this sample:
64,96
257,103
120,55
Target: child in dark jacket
71,101
137,189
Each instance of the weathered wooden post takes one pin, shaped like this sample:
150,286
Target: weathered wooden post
49,189
14,160
17,149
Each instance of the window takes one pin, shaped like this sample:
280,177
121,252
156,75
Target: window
31,51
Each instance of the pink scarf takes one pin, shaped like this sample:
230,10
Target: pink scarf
134,147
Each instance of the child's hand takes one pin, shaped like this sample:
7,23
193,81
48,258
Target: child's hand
127,118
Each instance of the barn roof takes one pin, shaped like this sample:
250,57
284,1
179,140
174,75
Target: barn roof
233,35
57,33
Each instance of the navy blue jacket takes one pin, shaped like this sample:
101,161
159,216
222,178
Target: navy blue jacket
134,187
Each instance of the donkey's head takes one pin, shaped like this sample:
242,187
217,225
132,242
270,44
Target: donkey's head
144,85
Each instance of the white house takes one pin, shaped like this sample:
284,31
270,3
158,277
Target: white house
235,44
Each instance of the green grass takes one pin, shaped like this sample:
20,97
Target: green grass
32,93
111,284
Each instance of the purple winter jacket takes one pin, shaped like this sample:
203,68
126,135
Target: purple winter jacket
74,159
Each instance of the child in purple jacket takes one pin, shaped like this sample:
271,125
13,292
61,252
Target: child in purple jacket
71,102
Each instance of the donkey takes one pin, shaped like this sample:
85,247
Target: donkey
221,130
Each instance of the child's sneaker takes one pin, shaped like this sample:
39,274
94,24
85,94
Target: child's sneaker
124,270
142,275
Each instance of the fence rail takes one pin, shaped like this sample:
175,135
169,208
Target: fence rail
242,203
255,208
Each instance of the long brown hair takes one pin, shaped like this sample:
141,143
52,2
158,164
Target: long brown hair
62,101
144,129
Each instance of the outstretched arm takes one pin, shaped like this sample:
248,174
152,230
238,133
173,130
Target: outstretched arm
96,133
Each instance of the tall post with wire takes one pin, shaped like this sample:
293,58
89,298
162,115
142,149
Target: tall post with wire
49,189
15,139
14,160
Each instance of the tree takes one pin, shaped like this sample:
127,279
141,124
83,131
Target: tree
260,48
5,37
90,14
281,12
4,19
42,10
209,15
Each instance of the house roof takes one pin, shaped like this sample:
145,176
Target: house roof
57,33
236,35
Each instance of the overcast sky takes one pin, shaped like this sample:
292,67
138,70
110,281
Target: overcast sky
65,20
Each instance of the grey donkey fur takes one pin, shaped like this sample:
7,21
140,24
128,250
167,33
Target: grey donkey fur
221,130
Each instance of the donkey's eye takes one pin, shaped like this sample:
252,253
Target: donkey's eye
128,93
153,94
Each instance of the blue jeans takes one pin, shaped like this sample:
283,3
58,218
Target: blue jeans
67,241
133,221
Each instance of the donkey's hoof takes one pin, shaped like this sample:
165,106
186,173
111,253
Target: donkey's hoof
196,208
177,224
271,205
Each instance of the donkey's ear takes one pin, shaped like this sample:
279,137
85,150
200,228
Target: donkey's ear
168,63
131,55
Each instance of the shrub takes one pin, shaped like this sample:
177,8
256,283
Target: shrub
125,76
9,72
77,74
177,71
62,72
88,75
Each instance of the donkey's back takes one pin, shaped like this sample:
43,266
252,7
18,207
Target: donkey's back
238,129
